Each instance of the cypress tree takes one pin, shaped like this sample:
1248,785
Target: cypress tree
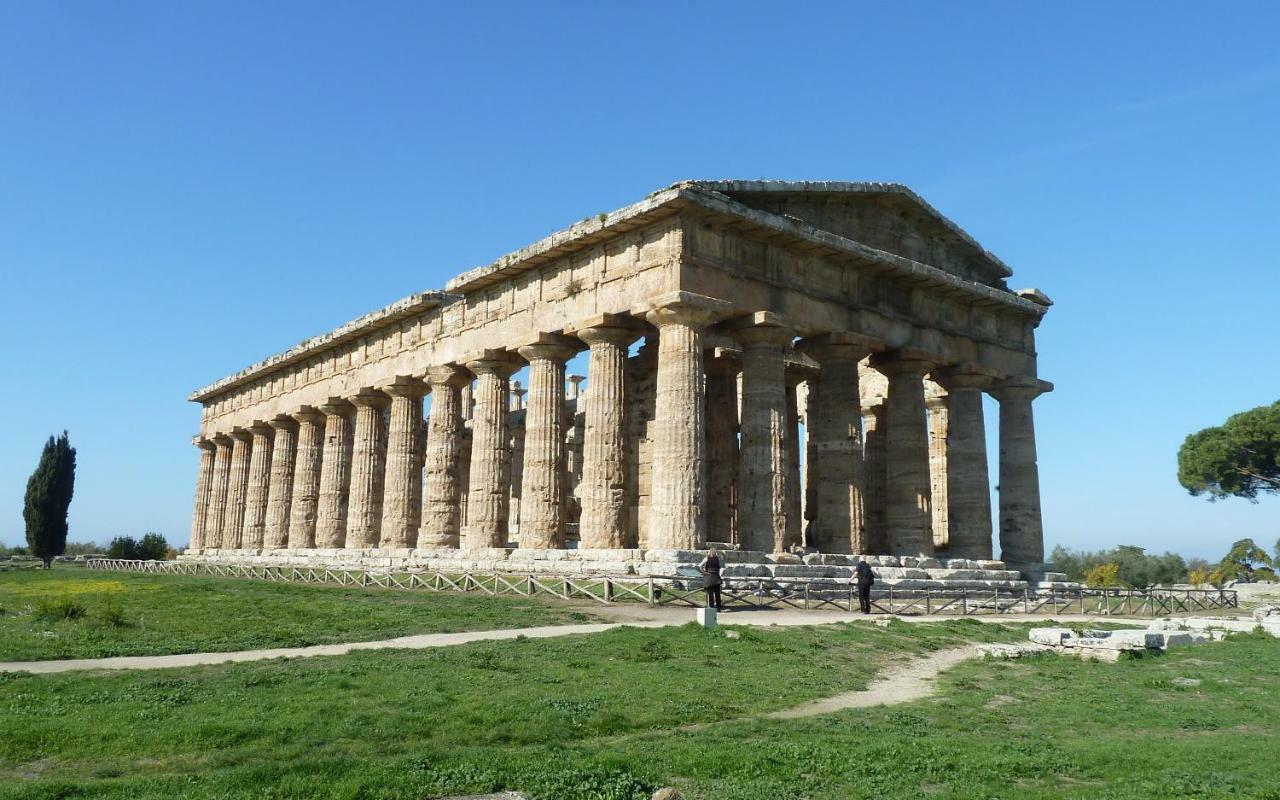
49,491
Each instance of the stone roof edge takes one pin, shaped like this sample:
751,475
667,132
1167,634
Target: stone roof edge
403,307
853,187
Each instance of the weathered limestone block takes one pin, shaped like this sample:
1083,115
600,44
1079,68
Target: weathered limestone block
1021,526
908,518
489,499
402,487
1054,637
442,484
335,475
542,492
304,504
284,448
204,489
237,486
765,471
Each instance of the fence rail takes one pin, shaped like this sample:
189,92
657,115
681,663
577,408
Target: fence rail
806,593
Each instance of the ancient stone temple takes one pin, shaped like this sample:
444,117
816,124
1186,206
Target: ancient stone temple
776,367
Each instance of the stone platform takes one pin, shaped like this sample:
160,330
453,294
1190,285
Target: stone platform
742,567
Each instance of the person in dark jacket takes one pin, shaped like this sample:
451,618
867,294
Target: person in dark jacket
711,566
864,576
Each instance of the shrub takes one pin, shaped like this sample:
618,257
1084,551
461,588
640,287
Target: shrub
112,616
1103,576
1199,576
61,609
153,547
123,547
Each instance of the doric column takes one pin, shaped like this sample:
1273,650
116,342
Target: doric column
402,492
237,485
543,478
335,475
255,503
442,482
212,536
836,471
765,472
935,404
722,445
204,485
968,481
1021,526
304,508
791,447
603,489
489,499
368,459
908,519
677,515
875,540
284,450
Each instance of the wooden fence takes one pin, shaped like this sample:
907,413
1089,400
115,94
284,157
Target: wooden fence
805,593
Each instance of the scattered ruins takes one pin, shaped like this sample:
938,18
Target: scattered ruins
792,371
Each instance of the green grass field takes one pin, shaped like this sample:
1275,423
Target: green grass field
603,717
135,614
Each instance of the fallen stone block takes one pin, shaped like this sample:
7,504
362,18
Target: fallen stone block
1052,637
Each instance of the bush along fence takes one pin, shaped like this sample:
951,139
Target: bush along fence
742,593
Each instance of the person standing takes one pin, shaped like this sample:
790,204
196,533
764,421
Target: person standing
865,577
710,567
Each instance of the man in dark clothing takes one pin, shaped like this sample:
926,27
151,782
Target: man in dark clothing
865,578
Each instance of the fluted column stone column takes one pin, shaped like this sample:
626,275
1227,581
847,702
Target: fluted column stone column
542,487
908,518
677,512
368,459
968,479
722,445
875,540
402,486
204,487
836,470
765,472
284,450
936,410
1021,525
791,447
237,487
603,488
255,502
442,482
221,480
335,475
489,498
305,503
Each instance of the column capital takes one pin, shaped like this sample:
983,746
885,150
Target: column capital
683,308
968,375
549,347
241,434
447,375
618,329
492,362
723,361
368,397
838,346
905,360
761,329
307,414
260,428
203,443
282,422
1020,387
405,386
336,407
221,439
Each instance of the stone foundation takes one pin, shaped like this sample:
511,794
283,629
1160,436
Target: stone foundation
899,572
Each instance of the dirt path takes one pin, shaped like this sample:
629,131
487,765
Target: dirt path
638,617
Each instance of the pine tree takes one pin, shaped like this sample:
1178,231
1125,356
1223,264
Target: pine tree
49,491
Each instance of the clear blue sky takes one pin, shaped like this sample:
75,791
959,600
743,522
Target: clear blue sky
188,187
